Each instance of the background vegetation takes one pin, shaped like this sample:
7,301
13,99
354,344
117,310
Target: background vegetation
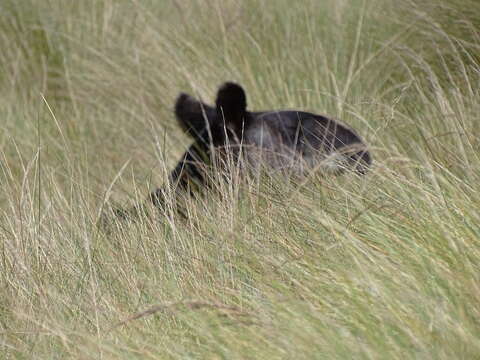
384,266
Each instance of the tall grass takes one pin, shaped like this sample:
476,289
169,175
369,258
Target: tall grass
381,266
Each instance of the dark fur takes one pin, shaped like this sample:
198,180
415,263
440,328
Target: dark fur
290,140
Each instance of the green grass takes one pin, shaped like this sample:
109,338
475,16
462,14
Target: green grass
384,266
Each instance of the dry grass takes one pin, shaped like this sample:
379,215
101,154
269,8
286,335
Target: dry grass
381,266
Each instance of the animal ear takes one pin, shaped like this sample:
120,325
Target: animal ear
193,115
231,104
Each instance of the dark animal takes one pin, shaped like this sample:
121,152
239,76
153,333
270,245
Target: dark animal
287,140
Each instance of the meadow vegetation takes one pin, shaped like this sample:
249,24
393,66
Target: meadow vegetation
384,266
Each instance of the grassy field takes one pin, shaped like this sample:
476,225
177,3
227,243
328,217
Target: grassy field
384,266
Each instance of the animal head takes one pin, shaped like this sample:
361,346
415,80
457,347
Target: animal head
213,125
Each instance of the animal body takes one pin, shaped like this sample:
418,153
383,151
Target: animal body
287,140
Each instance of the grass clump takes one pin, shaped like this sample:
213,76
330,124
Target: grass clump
382,266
